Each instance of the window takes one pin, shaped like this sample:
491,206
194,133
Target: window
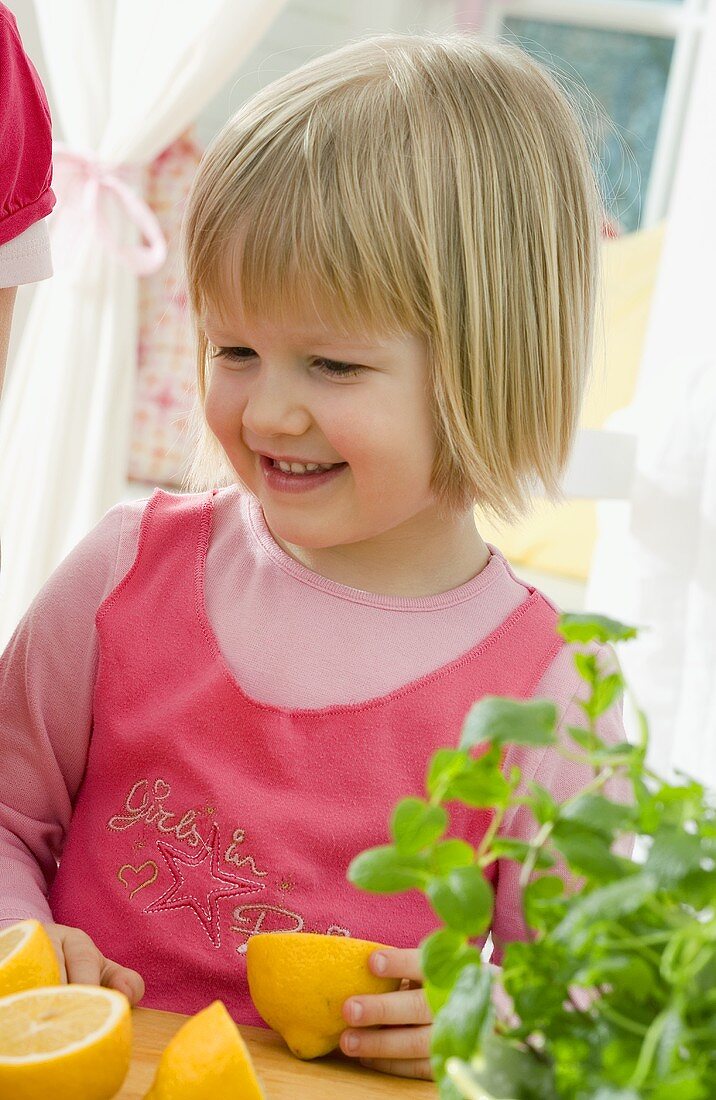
636,58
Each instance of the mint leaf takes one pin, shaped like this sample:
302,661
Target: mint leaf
586,628
464,1019
449,854
607,903
673,854
444,765
595,812
463,899
443,955
415,824
385,871
509,848
501,721
478,785
605,692
587,852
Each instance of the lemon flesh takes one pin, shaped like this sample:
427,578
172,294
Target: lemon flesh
64,1042
27,958
205,1060
298,982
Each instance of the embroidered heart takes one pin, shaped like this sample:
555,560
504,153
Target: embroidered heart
138,871
161,789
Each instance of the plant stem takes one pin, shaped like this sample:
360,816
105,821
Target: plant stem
617,1018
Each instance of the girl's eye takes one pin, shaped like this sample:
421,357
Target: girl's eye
327,366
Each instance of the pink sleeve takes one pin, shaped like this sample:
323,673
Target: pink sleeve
47,675
561,778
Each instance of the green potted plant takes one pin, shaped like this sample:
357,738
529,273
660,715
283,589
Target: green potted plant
614,995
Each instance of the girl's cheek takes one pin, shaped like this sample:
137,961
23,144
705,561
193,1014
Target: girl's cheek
218,409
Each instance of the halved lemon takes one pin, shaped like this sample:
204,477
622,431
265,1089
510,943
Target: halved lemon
206,1060
27,958
64,1042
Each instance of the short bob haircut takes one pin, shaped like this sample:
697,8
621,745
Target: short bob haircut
440,185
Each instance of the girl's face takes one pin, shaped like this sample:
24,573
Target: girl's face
314,397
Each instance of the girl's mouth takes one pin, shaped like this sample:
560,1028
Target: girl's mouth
300,481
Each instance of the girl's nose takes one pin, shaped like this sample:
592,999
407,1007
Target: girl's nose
273,407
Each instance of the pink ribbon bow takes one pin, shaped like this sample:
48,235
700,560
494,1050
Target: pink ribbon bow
81,180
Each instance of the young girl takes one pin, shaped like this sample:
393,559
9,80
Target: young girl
218,697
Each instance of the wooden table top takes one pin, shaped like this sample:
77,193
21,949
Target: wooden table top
283,1077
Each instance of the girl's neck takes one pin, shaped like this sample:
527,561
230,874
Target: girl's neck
420,560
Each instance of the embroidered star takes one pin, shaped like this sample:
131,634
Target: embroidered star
199,882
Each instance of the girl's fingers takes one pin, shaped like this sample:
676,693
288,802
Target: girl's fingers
59,952
403,1007
82,959
122,978
401,1043
396,962
418,1067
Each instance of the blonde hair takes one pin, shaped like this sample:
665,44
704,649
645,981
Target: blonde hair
437,185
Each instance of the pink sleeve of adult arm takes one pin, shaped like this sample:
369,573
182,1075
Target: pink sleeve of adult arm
47,675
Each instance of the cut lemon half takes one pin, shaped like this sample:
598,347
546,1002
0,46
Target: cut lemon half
64,1042
206,1060
27,958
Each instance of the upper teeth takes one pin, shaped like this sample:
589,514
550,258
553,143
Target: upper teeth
300,468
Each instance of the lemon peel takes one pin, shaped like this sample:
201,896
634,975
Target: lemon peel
298,981
206,1059
27,958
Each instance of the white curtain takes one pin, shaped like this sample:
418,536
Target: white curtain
128,77
655,560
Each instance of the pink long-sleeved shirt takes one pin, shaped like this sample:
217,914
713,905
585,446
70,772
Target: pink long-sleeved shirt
291,637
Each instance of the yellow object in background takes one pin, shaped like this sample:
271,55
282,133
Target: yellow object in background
206,1060
27,958
298,981
64,1042
560,538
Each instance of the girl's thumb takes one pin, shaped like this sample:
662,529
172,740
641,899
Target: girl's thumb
124,980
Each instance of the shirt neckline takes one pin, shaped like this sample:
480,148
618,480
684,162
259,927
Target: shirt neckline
439,602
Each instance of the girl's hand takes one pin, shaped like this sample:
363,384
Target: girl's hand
82,962
391,1031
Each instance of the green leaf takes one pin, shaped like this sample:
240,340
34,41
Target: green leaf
587,852
587,667
540,898
542,803
463,899
466,1016
509,721
673,854
385,871
607,903
620,970
415,824
503,1069
605,692
585,738
480,784
508,848
449,854
584,628
444,765
597,813
443,955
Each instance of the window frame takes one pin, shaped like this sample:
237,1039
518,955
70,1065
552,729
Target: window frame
683,22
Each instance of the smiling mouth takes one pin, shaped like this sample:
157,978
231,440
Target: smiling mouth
301,468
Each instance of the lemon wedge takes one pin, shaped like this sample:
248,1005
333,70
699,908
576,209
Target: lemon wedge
27,958
298,981
64,1042
205,1060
